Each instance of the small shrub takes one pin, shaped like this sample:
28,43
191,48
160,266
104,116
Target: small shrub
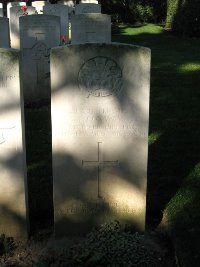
110,245
6,245
143,13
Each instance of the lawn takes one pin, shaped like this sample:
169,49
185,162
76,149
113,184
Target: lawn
174,135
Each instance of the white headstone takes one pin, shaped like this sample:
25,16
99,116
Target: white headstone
100,116
15,13
1,10
62,12
39,6
87,8
12,152
88,1
38,33
90,28
4,32
12,4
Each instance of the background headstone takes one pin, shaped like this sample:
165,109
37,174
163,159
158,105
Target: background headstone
12,4
87,8
39,5
38,33
4,32
15,13
1,10
90,28
89,1
70,4
12,153
62,12
100,116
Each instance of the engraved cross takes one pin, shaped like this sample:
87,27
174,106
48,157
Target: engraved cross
100,164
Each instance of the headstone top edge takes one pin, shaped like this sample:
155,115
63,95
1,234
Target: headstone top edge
91,14
2,49
116,44
4,18
38,16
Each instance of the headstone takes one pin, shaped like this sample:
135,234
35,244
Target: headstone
12,156
90,28
69,3
12,4
15,13
100,116
39,5
1,10
88,1
62,12
87,8
38,33
4,32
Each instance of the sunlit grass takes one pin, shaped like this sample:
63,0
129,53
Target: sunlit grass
189,67
146,29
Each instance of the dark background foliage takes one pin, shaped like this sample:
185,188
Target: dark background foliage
183,16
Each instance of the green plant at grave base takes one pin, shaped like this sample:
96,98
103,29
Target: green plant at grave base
109,245
180,212
6,245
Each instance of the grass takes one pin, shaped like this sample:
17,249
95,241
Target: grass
174,135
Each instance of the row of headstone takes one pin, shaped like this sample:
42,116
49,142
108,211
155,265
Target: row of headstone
84,27
84,6
99,110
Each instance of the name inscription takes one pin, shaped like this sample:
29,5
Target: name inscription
95,208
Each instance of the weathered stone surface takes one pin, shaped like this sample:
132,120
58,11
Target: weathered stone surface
4,32
100,115
62,12
15,13
87,8
12,155
90,28
38,33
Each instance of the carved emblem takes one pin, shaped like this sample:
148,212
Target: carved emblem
100,77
